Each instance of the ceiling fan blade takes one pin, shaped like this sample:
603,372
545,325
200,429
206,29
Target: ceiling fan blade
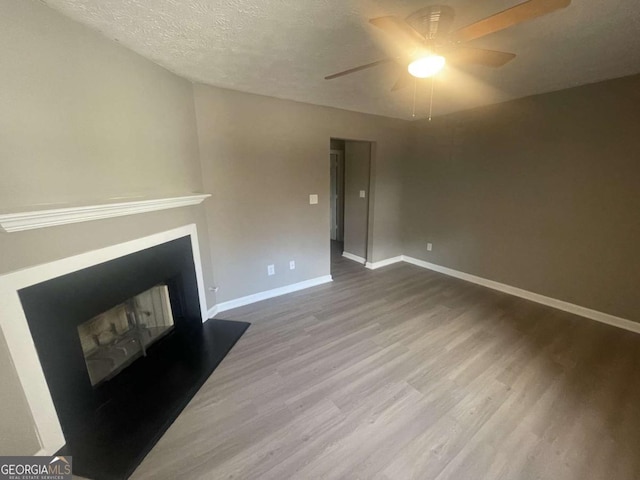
357,69
404,80
401,33
507,18
479,56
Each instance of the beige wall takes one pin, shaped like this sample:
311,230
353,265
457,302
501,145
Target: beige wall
17,431
356,209
86,118
261,158
540,193
83,119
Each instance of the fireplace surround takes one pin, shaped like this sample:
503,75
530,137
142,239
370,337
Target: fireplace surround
55,308
109,426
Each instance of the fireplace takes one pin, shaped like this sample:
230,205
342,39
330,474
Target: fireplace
122,347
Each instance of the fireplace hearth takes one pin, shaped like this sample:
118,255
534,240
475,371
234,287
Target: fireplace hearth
123,350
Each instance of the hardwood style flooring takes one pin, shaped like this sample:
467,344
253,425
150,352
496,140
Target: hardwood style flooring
403,373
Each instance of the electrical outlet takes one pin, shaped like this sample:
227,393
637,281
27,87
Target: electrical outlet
313,199
429,246
363,194
292,265
271,270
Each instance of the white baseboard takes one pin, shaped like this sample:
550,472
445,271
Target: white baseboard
276,292
353,257
383,263
534,297
212,312
501,287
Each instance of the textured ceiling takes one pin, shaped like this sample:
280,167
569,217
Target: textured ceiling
284,48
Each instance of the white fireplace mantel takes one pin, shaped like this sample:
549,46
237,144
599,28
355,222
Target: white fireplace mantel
28,220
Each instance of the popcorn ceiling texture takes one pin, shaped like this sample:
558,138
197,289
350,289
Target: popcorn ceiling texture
284,48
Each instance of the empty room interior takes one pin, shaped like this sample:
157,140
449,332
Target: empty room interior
339,239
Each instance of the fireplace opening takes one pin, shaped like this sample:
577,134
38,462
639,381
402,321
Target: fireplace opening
113,340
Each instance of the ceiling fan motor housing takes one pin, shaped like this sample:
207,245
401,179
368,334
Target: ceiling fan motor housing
432,22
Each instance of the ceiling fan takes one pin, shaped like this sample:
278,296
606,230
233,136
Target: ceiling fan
426,44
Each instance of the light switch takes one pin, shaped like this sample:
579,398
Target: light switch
362,194
313,199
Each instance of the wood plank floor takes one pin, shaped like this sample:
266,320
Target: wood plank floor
403,373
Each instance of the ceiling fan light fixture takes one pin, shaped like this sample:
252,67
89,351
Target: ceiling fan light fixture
428,66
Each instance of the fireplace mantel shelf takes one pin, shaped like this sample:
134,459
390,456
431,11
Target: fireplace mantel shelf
29,220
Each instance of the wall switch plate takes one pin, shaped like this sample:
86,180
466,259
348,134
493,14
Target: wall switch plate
429,246
292,265
271,270
313,199
362,194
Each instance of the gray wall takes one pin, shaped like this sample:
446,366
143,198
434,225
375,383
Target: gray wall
540,193
356,209
261,158
83,119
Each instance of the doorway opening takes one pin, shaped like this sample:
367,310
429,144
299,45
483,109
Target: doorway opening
350,172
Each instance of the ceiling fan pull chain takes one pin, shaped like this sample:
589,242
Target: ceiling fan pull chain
415,87
431,98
